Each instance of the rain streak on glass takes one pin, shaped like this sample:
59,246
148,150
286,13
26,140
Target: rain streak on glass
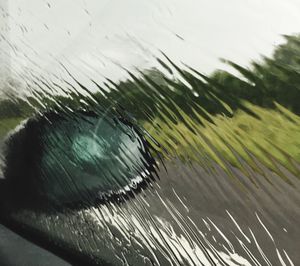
152,132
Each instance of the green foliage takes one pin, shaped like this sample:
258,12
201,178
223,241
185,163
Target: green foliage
18,108
276,79
153,95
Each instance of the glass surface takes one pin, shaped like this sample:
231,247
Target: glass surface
152,132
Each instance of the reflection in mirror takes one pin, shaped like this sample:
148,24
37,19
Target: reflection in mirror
70,158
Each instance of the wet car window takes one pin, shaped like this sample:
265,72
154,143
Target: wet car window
152,132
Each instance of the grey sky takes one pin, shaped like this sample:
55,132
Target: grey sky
94,38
